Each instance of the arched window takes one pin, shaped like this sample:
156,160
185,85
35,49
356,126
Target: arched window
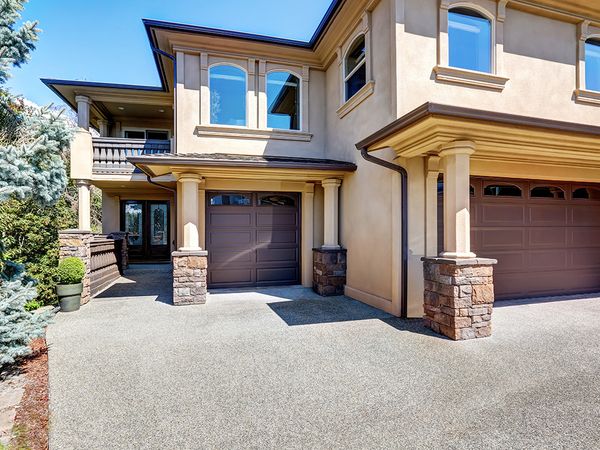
283,101
592,65
548,192
355,67
227,95
502,190
469,40
587,193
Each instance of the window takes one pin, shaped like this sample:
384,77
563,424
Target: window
147,134
276,200
230,200
283,100
502,190
131,134
588,193
355,67
592,65
227,95
548,192
469,40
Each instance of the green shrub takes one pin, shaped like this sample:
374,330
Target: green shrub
70,270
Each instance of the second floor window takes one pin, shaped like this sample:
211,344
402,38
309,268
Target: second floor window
592,65
469,40
227,95
283,101
355,67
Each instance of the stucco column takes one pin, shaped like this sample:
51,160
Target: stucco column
431,206
103,127
457,227
188,184
84,205
308,197
83,111
331,188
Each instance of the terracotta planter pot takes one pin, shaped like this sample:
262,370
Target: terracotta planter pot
69,296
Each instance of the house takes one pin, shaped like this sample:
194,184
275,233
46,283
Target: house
395,157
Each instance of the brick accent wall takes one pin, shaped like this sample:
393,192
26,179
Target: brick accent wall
459,296
329,271
77,243
189,277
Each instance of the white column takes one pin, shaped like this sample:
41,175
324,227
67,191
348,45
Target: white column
331,213
188,184
262,94
83,111
202,213
431,206
84,205
308,197
103,127
457,227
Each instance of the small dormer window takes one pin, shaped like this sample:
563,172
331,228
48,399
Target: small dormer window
469,40
592,65
283,101
355,67
227,85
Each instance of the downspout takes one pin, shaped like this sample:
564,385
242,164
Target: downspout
404,219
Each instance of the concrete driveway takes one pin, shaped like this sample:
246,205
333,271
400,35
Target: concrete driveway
283,368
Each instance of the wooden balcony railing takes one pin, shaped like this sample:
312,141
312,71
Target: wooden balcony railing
110,154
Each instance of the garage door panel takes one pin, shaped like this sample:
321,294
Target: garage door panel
507,261
230,220
585,258
501,238
252,245
547,237
584,237
585,215
542,260
499,214
547,215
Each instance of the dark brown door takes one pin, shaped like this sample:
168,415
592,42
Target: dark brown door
253,239
147,222
545,235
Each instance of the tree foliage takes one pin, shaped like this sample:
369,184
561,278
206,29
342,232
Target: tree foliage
16,44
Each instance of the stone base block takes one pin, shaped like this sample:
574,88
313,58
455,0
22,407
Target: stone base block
329,271
189,277
77,243
459,296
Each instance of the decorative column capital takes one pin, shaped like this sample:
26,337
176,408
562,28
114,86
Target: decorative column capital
189,177
82,183
83,99
457,148
331,182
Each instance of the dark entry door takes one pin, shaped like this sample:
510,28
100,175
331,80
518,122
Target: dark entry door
252,238
147,222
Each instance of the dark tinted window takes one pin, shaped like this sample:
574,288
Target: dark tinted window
355,67
590,193
130,134
277,200
283,100
152,134
469,40
502,190
230,199
547,192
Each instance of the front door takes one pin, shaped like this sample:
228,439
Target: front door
147,222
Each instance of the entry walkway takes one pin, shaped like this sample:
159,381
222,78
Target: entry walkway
283,368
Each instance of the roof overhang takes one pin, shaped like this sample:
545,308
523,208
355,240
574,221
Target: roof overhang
497,136
218,165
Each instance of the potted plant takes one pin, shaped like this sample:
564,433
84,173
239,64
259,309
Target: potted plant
71,271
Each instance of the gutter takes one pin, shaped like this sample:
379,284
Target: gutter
404,219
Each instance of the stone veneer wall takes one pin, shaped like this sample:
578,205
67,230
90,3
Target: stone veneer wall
459,296
329,271
189,277
77,243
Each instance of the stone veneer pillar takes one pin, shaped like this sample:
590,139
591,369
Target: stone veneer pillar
77,243
459,296
329,271
189,277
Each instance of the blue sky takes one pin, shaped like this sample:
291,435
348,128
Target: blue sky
104,40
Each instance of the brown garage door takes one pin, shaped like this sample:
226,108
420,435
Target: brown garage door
253,239
545,235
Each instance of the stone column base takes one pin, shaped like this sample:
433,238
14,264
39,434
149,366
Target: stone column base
459,296
77,243
189,277
329,271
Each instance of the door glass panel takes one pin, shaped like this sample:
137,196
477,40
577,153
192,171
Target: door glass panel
134,223
276,200
230,200
158,224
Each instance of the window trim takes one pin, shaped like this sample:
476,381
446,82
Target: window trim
443,72
482,14
361,63
300,102
246,115
582,94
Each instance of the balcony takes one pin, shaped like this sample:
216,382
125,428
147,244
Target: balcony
110,154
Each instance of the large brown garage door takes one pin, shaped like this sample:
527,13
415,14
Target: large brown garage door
253,239
545,236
